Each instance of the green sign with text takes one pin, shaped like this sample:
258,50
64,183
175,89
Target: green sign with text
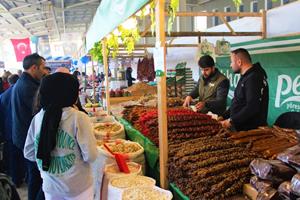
283,70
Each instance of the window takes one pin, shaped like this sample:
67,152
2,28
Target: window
254,6
242,8
268,4
200,23
227,9
283,2
215,19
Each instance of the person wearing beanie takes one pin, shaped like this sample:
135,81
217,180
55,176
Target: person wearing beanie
212,88
60,139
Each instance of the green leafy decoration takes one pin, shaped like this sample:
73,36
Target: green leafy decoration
96,52
129,37
173,7
152,16
113,43
237,3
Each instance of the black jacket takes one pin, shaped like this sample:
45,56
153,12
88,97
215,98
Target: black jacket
129,77
22,101
249,107
5,114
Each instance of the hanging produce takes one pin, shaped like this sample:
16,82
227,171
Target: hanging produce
205,48
237,3
222,47
172,9
96,52
152,16
129,34
145,69
113,44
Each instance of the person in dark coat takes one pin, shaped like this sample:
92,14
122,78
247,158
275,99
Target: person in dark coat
129,77
249,107
212,88
22,101
13,157
1,85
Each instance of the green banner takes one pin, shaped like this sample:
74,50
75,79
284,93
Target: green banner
283,70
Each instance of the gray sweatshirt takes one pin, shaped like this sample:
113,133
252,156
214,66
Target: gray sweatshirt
69,173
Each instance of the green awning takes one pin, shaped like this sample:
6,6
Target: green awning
109,15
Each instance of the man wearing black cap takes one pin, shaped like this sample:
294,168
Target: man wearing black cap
212,88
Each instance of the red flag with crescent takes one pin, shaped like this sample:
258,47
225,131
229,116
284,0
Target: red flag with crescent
22,48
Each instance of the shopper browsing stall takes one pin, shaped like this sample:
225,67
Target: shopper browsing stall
22,99
12,156
249,107
129,77
212,88
60,139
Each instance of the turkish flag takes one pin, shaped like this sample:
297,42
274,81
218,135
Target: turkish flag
21,47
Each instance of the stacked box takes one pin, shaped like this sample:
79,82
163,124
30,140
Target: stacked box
189,81
179,81
184,81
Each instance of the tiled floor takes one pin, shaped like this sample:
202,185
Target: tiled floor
23,192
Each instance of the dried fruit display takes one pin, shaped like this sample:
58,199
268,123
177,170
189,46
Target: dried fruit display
129,147
134,168
183,124
145,69
132,181
146,193
216,166
107,127
262,140
141,88
132,113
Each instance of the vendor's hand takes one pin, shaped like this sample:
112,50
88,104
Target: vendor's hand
226,123
200,105
187,101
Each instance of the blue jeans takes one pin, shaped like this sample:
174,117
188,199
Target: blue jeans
35,191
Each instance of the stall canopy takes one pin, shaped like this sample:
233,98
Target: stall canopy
109,15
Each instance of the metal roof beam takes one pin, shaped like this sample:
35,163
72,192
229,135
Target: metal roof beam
37,22
27,5
19,24
33,15
80,4
55,21
63,14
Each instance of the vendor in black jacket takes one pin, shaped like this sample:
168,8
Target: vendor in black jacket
212,88
249,107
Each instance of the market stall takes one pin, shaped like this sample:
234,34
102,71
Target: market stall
204,161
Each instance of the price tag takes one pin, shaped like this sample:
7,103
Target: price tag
158,54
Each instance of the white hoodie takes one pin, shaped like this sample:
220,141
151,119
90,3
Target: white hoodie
69,172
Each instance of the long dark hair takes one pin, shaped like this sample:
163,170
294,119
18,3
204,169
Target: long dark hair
57,91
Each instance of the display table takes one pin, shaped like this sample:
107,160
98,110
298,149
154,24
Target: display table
116,100
152,156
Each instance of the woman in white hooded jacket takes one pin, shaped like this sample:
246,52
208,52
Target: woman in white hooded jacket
60,139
